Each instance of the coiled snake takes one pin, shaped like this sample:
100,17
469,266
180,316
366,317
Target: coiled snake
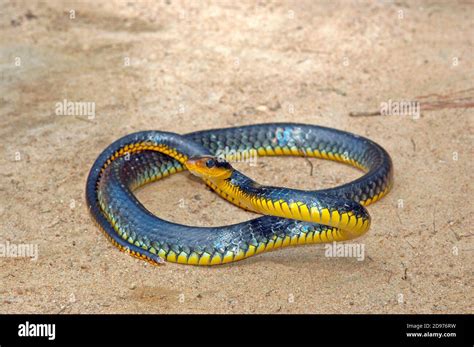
292,217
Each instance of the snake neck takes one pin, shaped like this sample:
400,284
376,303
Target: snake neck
295,204
238,189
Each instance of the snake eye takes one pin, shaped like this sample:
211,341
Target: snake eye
210,163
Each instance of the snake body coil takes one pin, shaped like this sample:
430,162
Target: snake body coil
292,216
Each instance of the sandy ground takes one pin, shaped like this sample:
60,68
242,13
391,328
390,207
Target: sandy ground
185,66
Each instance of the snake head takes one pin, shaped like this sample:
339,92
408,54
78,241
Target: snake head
209,167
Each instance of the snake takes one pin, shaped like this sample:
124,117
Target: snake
289,216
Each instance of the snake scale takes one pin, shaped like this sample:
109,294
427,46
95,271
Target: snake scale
291,217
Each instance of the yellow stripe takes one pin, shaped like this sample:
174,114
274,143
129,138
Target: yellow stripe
278,243
171,256
286,210
344,220
305,213
228,257
270,206
263,202
205,258
278,209
258,204
335,218
193,259
250,251
240,255
269,151
352,222
323,236
302,239
182,258
162,254
315,216
325,216
295,211
294,240
260,248
216,259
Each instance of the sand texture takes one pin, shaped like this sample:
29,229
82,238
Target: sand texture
186,66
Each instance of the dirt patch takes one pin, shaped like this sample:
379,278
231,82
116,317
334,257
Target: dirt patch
188,66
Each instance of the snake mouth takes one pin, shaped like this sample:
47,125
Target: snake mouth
209,167
192,165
